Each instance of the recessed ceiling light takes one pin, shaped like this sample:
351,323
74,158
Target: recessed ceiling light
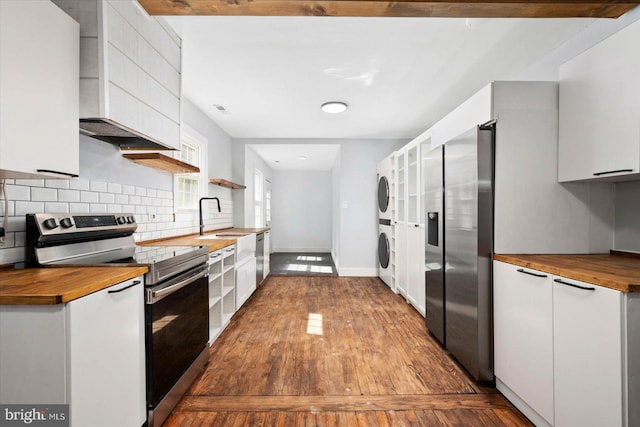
302,158
334,107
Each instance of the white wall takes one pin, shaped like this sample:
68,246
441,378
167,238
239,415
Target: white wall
302,208
358,204
356,230
252,162
547,68
335,212
627,230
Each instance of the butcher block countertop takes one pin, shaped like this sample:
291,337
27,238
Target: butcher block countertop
213,244
616,270
55,285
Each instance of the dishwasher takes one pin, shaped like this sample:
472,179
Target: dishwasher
259,258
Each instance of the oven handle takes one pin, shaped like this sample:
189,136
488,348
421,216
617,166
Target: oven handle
66,258
158,295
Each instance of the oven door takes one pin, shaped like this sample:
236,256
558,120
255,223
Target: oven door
177,329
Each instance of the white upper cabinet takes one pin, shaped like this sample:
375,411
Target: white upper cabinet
600,111
129,73
38,91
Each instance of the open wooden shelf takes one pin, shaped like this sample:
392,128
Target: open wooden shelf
228,184
162,162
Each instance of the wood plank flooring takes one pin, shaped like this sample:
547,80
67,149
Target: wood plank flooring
334,351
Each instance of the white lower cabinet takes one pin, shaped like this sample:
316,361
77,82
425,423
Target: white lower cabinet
245,280
416,292
588,345
566,352
523,338
88,353
401,258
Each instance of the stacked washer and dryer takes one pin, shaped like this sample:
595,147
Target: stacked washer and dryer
385,220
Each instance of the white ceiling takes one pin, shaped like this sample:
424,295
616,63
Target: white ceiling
317,157
398,75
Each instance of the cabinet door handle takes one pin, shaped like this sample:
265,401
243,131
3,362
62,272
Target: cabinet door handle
585,288
416,225
610,172
135,282
71,175
521,270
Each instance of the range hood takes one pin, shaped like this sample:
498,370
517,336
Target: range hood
125,138
130,65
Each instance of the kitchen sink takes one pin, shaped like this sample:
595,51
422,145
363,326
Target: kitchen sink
245,242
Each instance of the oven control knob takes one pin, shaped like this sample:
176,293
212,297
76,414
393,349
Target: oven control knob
50,223
66,222
122,220
130,220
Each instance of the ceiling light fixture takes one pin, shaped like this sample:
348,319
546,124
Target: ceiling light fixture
334,107
302,158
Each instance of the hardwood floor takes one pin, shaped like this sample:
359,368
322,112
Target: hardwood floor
333,351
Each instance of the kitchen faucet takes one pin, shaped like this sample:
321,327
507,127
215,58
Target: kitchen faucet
201,219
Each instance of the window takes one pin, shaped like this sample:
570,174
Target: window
189,187
258,189
267,204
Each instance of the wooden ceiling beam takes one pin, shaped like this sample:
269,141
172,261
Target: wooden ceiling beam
403,8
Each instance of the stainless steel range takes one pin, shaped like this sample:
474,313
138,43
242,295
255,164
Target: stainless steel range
176,292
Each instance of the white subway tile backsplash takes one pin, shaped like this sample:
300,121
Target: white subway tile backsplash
56,183
98,186
43,194
8,241
106,198
79,184
81,196
122,199
19,238
30,182
16,223
97,208
68,195
10,206
114,188
88,197
11,255
23,208
56,207
18,192
79,208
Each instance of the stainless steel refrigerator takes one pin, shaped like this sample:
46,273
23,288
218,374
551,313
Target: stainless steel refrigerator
459,246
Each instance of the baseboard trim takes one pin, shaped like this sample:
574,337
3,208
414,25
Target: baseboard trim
358,272
314,250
